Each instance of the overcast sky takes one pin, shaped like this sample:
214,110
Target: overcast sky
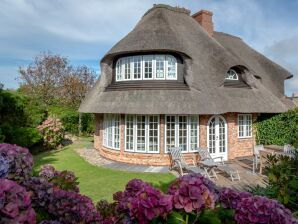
85,30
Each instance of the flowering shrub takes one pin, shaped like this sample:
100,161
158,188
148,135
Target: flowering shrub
108,212
4,167
41,192
50,222
18,160
15,204
65,180
192,192
52,131
71,207
255,209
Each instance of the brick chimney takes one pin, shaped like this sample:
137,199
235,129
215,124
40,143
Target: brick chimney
204,18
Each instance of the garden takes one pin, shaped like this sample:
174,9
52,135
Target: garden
52,196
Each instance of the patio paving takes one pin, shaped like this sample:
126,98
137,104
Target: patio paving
243,165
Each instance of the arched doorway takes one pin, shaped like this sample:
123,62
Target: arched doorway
217,137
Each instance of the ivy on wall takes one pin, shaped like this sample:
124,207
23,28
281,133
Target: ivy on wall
278,129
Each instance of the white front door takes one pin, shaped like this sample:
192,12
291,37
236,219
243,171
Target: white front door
217,137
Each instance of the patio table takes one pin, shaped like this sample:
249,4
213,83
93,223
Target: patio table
269,151
209,167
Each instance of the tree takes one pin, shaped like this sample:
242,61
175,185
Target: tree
52,80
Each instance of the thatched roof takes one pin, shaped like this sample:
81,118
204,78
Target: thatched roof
206,59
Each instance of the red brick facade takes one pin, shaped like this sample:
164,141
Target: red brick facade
236,146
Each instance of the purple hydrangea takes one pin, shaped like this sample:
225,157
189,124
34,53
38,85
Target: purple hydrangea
4,167
143,202
257,209
71,207
15,204
230,198
20,162
65,180
50,222
41,191
193,192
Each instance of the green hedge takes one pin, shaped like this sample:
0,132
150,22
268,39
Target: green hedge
278,129
70,119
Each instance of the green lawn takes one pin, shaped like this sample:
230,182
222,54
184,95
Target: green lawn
95,182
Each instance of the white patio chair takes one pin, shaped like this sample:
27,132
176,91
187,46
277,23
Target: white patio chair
256,156
289,150
179,163
205,156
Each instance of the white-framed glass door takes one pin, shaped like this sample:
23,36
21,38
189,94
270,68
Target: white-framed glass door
217,137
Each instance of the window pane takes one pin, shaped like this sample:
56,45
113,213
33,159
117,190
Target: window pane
148,70
153,134
116,123
126,68
119,70
193,135
137,67
171,67
160,66
182,130
141,133
170,131
129,132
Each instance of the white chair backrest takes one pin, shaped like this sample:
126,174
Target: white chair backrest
176,153
257,149
288,148
204,154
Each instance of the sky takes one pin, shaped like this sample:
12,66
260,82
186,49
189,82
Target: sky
84,30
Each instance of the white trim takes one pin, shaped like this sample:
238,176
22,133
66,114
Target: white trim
244,126
228,77
176,130
225,155
112,119
146,151
121,62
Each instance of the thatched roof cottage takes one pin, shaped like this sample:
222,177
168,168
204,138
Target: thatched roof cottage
174,81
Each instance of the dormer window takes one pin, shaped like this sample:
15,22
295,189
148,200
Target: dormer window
146,67
232,75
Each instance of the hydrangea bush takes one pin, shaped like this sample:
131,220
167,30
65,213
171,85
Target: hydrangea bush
71,207
52,131
53,198
65,180
16,162
15,203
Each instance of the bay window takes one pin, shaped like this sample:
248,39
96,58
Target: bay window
244,125
181,131
146,67
142,133
111,136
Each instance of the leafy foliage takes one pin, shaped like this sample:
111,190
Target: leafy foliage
52,131
52,80
4,167
278,129
19,117
19,160
15,204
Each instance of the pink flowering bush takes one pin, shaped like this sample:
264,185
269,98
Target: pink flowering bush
16,163
52,131
15,203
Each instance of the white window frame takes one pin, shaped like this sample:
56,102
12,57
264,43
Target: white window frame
245,124
121,63
146,135
177,132
106,139
228,75
176,68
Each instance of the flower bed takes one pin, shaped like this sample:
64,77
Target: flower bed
53,197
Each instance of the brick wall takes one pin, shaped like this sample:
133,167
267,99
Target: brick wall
236,147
